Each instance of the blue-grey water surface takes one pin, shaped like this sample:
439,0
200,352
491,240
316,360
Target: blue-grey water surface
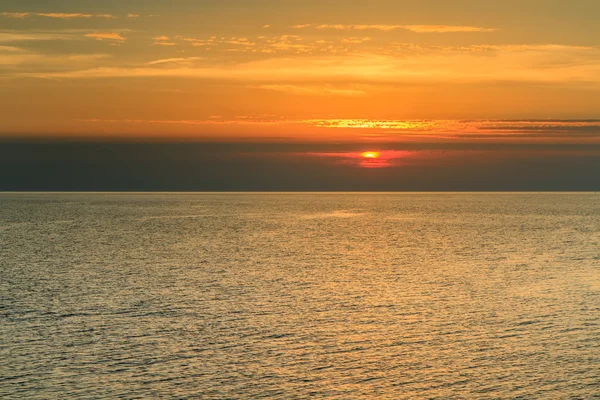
292,296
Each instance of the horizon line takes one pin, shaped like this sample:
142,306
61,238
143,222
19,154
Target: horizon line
2,192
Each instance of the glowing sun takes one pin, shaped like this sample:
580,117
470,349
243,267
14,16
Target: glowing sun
370,154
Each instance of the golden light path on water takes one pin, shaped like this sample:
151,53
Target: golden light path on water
338,296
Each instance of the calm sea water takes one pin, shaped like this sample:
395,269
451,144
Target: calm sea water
300,295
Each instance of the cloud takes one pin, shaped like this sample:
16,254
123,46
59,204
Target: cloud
20,36
412,28
15,15
210,121
133,15
181,60
24,59
240,41
527,48
474,129
404,63
268,44
355,40
302,26
8,36
404,125
445,28
198,42
286,43
21,15
266,26
163,41
313,90
568,130
385,28
105,36
13,56
11,49
63,15
574,128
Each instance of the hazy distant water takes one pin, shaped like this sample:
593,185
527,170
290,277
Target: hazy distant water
293,296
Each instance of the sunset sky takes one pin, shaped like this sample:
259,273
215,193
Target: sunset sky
373,75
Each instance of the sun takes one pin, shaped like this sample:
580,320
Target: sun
370,154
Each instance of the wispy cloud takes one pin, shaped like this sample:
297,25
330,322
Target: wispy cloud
64,15
14,56
326,90
445,28
412,28
163,41
11,49
534,63
240,41
8,36
25,59
385,28
105,36
355,40
20,36
21,15
477,129
567,130
198,42
297,61
180,61
286,43
17,15
210,121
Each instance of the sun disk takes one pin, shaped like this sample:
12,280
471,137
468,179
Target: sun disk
370,154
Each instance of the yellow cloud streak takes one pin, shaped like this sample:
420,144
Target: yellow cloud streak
423,126
22,15
105,36
412,28
313,90
519,130
445,29
179,60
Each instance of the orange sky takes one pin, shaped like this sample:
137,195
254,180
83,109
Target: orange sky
230,70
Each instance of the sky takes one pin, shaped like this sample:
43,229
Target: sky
426,87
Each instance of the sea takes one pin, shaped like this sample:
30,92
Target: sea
300,295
